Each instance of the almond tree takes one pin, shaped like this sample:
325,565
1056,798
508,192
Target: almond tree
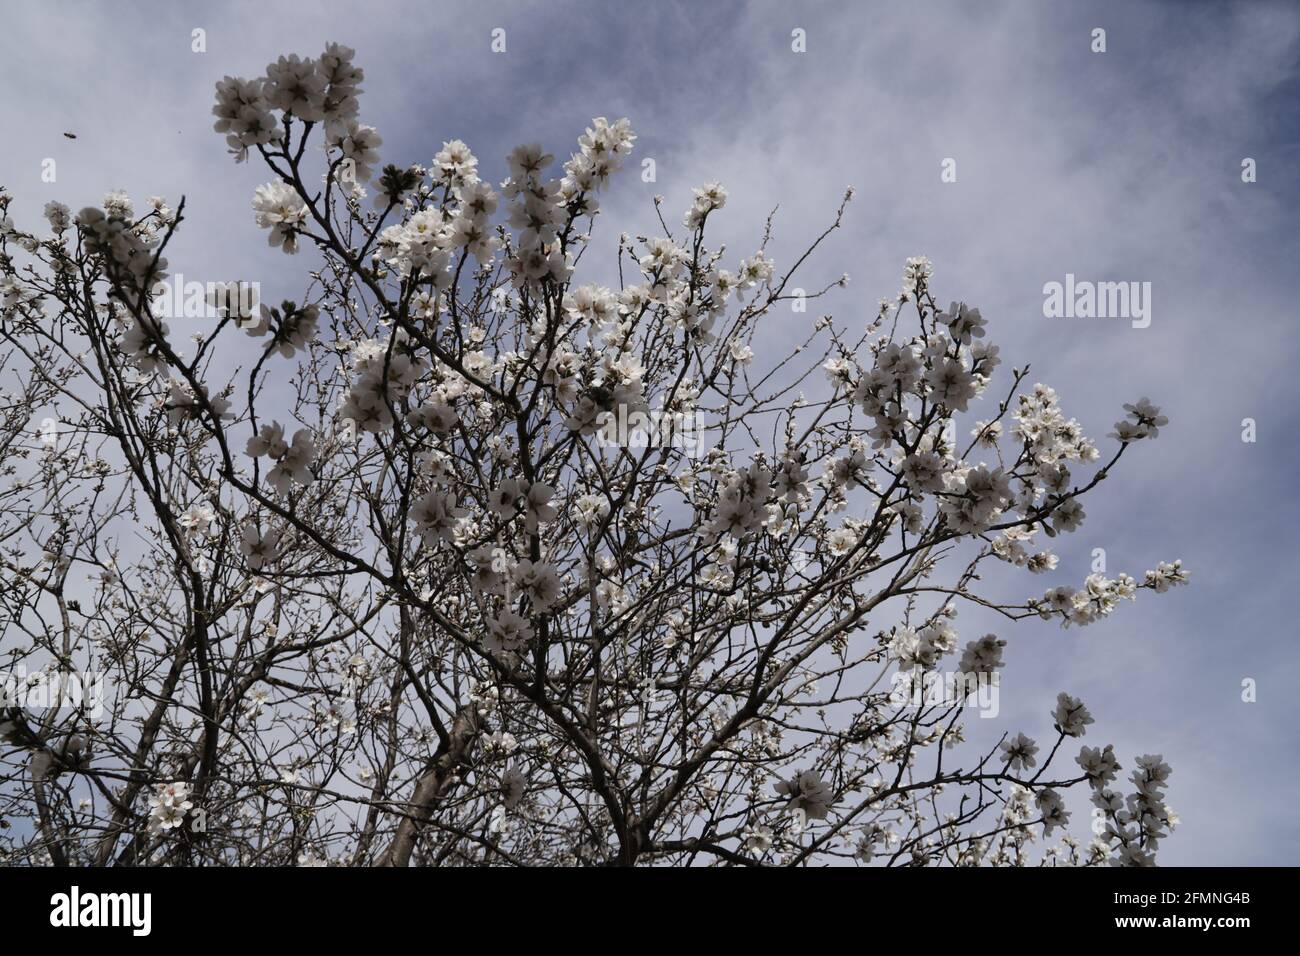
477,562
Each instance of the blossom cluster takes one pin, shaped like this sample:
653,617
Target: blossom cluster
168,806
293,459
320,90
1100,595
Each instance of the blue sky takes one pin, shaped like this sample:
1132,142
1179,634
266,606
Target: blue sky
1123,165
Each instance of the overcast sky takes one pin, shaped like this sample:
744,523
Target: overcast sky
1122,165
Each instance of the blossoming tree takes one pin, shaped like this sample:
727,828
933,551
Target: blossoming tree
407,587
